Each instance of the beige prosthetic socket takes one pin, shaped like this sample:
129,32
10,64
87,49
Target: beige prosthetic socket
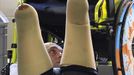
78,49
33,58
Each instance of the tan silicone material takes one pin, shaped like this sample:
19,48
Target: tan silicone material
78,49
33,58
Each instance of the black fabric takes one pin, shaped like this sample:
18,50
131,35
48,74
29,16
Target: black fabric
36,1
79,70
49,72
53,71
63,1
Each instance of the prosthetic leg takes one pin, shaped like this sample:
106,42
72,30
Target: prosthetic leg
78,56
33,58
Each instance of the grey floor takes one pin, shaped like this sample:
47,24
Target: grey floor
105,70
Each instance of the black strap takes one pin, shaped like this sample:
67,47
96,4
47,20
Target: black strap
13,45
